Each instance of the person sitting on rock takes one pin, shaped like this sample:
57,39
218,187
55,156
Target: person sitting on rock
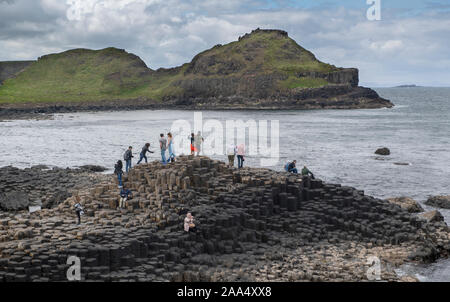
124,195
306,172
143,154
79,211
292,168
189,225
118,171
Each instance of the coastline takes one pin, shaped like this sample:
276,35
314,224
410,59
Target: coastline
332,97
255,225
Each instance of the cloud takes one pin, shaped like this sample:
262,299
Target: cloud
167,33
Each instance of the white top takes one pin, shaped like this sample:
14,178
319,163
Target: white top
231,149
198,139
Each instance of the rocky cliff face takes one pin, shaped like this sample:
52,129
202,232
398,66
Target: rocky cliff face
343,76
267,69
10,69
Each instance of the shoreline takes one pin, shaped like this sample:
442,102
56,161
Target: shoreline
365,98
300,230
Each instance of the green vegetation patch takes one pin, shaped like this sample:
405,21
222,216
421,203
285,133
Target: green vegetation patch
304,82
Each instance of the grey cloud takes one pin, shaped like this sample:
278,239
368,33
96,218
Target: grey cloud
169,33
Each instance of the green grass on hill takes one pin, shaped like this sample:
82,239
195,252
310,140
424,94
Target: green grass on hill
90,75
305,82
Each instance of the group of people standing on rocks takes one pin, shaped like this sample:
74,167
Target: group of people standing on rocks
236,151
164,145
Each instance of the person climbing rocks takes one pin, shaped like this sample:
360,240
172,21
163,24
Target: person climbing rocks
231,153
192,138
163,147
127,157
292,168
240,151
79,211
306,172
125,194
189,225
118,171
198,140
170,146
143,154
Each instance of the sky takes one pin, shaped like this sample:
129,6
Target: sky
409,44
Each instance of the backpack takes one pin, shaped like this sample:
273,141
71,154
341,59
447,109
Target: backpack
125,155
286,167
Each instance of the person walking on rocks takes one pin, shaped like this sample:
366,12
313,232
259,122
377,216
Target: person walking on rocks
163,147
306,172
79,211
118,171
143,154
231,153
127,157
189,223
198,142
192,138
124,195
292,168
240,155
170,145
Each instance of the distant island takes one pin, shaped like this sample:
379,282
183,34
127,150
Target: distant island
264,69
406,86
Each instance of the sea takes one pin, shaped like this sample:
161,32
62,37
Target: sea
338,146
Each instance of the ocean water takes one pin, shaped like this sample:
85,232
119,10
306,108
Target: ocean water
337,145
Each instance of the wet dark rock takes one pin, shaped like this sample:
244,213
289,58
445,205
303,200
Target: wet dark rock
407,203
40,167
93,168
439,201
433,216
39,185
383,151
13,201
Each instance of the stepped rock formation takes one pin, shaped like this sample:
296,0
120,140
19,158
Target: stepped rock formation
262,70
253,224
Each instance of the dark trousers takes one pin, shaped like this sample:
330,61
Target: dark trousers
142,156
293,170
78,216
119,178
240,161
